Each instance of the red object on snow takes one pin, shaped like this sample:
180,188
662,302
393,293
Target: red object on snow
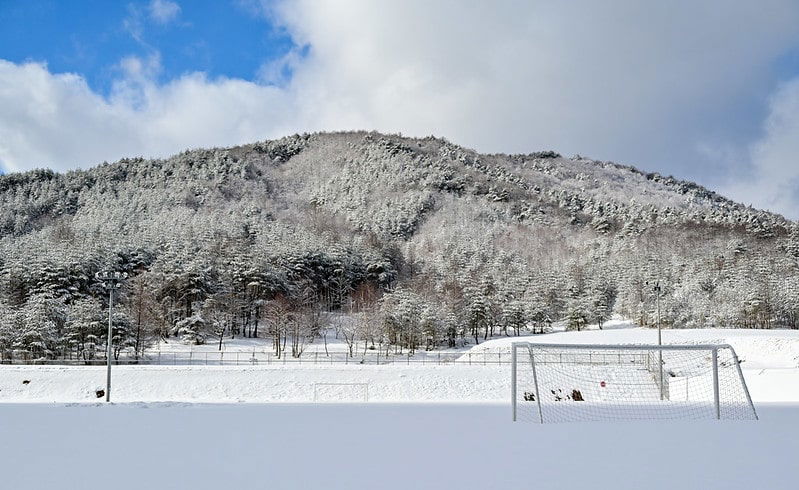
602,384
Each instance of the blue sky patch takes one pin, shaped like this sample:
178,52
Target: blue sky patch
90,37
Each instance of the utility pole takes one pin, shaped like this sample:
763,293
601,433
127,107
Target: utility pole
111,281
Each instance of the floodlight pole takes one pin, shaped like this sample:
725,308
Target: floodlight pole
108,343
112,281
660,338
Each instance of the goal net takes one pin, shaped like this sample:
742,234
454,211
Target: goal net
340,392
571,383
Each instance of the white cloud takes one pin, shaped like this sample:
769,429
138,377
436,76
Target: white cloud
622,82
159,11
649,83
163,11
56,121
279,72
133,24
773,179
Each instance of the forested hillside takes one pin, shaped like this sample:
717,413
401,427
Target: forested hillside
422,244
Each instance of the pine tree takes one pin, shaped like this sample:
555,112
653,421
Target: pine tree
39,336
84,327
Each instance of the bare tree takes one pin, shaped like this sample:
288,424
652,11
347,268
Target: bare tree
146,312
279,315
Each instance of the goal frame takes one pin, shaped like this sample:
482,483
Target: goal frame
712,348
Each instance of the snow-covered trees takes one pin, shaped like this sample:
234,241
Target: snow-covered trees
425,243
403,318
84,327
41,326
10,326
191,330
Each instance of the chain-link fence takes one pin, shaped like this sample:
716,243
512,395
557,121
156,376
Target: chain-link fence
242,358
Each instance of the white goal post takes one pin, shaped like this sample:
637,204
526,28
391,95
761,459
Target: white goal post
592,382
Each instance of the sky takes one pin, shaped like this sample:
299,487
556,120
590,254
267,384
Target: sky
704,90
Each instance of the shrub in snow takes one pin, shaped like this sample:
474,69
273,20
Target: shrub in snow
190,330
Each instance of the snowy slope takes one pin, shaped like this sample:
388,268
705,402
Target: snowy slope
764,349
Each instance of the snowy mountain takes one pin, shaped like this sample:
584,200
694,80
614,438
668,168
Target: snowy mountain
425,242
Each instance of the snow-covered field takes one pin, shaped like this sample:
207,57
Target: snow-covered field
385,446
435,426
770,362
295,384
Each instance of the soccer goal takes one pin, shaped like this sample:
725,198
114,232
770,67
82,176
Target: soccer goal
570,383
340,392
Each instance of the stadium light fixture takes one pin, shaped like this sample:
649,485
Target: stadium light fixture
111,281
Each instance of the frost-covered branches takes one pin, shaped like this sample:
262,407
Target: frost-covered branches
419,242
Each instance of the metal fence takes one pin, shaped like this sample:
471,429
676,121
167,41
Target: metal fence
263,358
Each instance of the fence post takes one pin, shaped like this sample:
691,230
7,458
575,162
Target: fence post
715,358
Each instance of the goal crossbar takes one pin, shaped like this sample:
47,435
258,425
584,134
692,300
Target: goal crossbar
644,347
626,382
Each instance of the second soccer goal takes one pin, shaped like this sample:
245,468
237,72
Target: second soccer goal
564,382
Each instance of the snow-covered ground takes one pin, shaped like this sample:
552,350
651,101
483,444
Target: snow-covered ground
770,362
765,349
260,384
435,426
386,446
295,384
